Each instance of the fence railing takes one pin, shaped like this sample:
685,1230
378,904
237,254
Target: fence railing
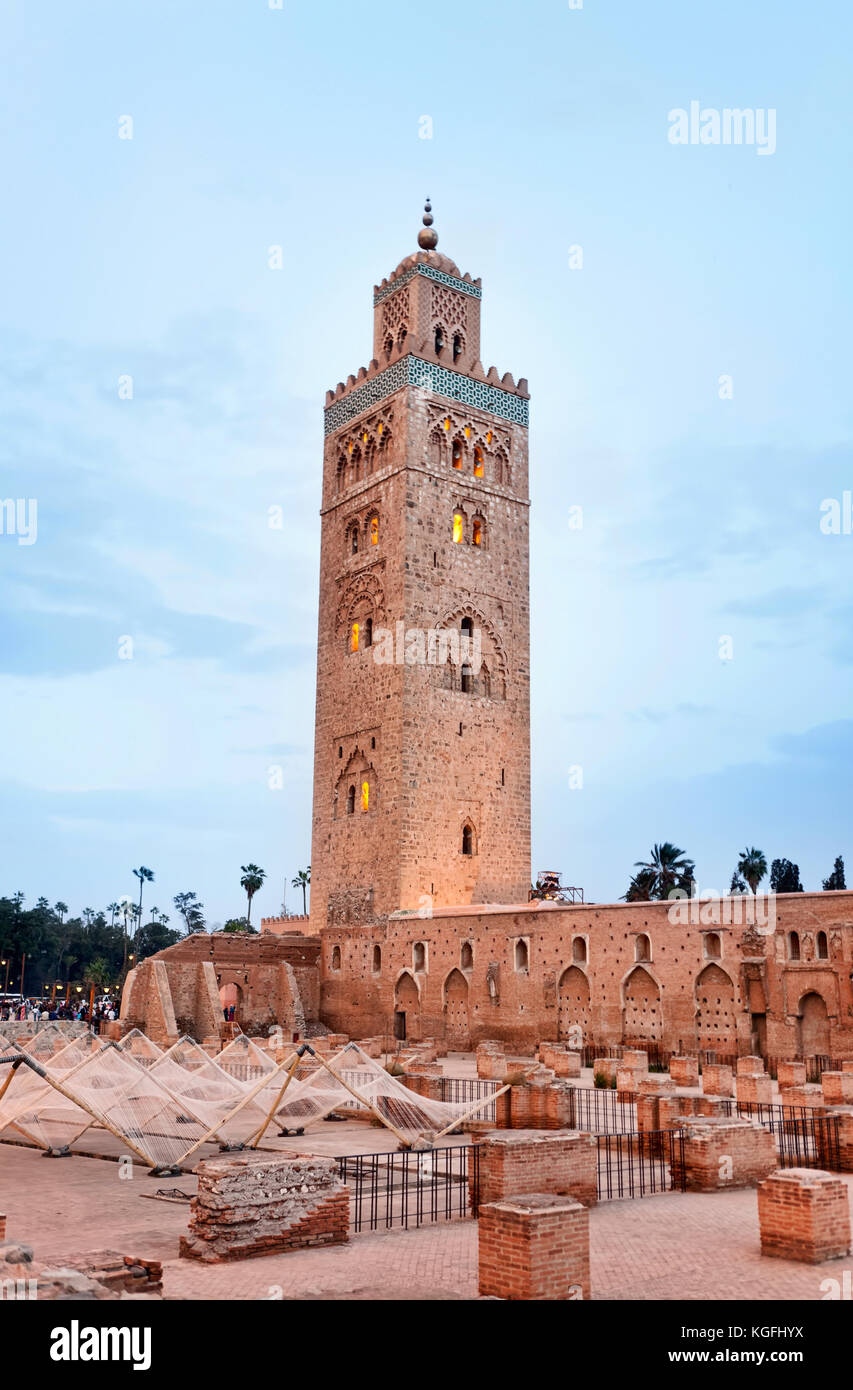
639,1164
466,1090
601,1112
804,1138
411,1188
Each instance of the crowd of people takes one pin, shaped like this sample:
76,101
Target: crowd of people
48,1011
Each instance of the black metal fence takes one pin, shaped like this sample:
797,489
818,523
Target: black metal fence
466,1090
601,1112
637,1165
804,1138
411,1188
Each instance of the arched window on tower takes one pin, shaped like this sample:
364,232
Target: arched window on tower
389,345
336,957
458,527
368,632
354,540
377,959
365,796
522,955
466,958
351,801
479,462
456,455
713,948
579,951
439,339
642,948
467,838
353,637
374,530
793,945
467,680
822,948
419,956
435,449
457,346
477,531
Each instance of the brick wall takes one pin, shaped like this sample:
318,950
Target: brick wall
252,1204
722,1153
534,1246
804,1214
564,1163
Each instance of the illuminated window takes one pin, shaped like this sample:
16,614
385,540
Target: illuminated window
457,453
374,530
457,527
351,801
354,638
447,423
477,531
365,795
479,462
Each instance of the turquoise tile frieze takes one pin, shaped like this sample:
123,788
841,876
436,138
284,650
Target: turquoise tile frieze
432,273
413,371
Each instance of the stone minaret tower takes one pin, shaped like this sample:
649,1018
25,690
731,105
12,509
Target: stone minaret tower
422,743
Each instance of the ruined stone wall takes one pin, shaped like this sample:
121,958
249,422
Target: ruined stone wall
534,972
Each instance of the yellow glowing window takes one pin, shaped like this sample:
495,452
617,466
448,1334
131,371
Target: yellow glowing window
374,530
477,532
489,437
354,638
479,465
364,437
447,423
365,795
349,446
467,431
457,526
379,431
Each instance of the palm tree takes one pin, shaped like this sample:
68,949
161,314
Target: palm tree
112,909
60,909
252,880
641,887
145,876
752,866
668,868
302,880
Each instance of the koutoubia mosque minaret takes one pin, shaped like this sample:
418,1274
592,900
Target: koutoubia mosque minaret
422,739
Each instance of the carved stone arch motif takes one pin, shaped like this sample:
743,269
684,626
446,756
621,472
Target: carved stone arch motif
362,587
493,653
357,771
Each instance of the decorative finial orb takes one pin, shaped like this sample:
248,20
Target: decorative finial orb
428,238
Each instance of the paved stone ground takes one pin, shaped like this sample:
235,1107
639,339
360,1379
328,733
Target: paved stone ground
672,1246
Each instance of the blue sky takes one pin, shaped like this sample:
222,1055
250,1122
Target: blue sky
300,127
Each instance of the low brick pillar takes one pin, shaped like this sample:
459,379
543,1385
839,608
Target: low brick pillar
754,1088
722,1153
649,1091
847,1066
712,1106
810,1096
637,1060
749,1066
606,1068
534,1246
491,1062
791,1074
837,1087
371,1047
845,1140
558,1106
804,1214
566,1064
626,1083
252,1204
563,1164
684,1070
717,1080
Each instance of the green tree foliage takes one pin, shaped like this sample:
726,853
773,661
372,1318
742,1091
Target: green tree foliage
785,877
752,866
668,868
836,878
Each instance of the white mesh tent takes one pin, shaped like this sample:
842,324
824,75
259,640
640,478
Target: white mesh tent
140,1047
